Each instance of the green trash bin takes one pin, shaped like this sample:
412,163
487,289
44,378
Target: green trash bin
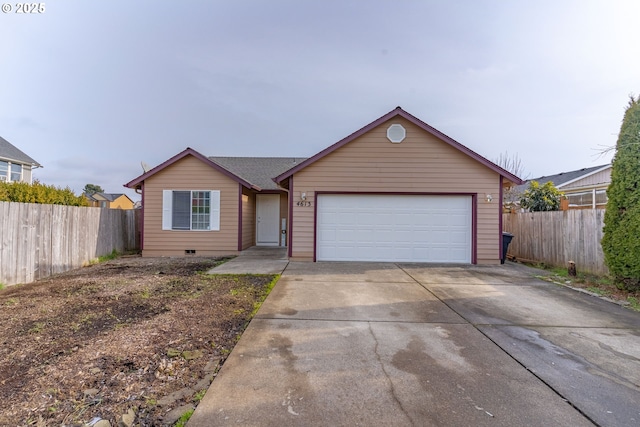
506,239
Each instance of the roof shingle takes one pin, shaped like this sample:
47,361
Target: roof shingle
10,152
259,171
561,178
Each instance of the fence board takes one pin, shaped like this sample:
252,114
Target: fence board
556,238
39,240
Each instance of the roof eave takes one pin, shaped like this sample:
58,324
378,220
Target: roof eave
188,152
424,126
571,181
31,163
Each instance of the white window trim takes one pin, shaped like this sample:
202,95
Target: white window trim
214,210
593,192
8,176
10,171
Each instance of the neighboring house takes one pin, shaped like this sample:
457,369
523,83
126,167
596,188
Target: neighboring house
110,200
395,190
15,165
584,188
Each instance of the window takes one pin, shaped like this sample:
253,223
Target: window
580,199
4,168
601,197
200,210
16,172
586,198
10,171
191,210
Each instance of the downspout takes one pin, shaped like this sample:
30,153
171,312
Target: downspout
33,167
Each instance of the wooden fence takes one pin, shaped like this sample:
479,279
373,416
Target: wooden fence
556,238
39,240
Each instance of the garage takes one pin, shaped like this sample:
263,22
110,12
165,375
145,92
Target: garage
396,228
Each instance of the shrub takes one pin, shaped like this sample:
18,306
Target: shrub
39,193
541,197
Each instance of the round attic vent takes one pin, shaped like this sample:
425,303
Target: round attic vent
396,133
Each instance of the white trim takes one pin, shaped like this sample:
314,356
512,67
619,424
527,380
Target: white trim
167,205
394,228
264,200
584,188
396,133
593,192
583,176
214,210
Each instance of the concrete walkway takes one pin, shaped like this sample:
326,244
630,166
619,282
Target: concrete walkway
348,344
255,260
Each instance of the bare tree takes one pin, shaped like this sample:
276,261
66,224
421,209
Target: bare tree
511,163
605,150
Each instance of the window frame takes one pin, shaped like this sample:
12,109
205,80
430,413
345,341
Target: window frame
12,172
5,172
214,210
592,196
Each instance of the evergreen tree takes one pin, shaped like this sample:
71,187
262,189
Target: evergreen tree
621,241
90,189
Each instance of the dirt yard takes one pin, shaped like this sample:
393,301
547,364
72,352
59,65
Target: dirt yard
129,339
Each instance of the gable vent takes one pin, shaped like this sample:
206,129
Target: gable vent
396,133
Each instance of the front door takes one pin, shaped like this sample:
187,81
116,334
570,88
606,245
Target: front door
267,219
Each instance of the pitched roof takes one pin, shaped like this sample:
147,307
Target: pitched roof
10,152
112,196
422,125
258,170
264,173
105,196
561,179
189,152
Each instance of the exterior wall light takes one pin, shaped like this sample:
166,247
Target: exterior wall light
303,196
489,198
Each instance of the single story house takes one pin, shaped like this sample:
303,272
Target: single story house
109,200
395,190
15,165
584,188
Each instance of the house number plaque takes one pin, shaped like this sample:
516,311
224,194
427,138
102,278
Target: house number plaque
304,204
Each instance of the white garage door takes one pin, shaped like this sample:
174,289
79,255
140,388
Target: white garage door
393,228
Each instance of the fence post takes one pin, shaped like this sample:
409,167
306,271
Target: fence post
39,240
554,238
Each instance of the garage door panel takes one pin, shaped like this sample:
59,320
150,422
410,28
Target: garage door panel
364,236
457,220
440,219
394,228
459,237
347,238
383,237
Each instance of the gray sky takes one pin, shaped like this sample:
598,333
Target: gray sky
92,88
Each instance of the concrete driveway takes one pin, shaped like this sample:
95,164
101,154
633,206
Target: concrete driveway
346,344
